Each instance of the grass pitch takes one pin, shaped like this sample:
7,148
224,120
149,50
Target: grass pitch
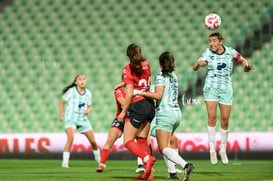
49,170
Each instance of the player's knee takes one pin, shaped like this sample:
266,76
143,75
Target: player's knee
174,140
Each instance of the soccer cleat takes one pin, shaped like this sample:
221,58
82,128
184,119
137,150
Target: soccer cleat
148,167
65,165
213,158
100,168
141,177
140,169
224,157
173,176
151,177
187,171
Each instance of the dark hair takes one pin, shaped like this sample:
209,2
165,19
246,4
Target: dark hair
166,60
218,35
135,56
71,85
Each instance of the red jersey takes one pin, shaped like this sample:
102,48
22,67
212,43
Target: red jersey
119,93
141,82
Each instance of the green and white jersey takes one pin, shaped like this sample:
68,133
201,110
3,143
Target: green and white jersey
170,94
76,104
220,67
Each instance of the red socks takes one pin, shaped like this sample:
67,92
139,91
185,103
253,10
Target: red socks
144,144
104,155
136,149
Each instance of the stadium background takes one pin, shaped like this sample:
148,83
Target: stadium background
45,44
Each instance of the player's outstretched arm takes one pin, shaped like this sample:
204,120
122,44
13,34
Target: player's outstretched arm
199,64
247,67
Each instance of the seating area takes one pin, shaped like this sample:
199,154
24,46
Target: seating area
45,44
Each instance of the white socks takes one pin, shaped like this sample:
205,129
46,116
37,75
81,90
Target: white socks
224,137
174,157
211,134
139,161
66,156
211,137
97,155
170,164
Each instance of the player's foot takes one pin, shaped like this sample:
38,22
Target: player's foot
65,165
224,157
148,167
141,177
187,171
173,176
140,169
213,158
100,168
151,177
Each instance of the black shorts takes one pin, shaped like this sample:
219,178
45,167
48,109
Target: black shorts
138,112
118,125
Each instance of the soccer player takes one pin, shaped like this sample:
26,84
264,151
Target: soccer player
173,144
140,111
116,129
218,89
79,101
168,114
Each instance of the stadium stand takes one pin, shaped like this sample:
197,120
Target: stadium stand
45,44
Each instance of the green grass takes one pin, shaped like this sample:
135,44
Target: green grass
49,170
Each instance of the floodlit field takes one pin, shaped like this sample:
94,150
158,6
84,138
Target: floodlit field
49,170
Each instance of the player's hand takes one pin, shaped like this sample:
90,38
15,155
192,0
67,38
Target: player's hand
61,117
202,63
121,117
248,68
136,92
86,112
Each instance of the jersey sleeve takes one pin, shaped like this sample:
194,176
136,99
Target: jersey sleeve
67,95
127,76
236,56
204,56
159,80
119,93
89,98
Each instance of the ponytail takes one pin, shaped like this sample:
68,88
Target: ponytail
70,85
135,56
166,60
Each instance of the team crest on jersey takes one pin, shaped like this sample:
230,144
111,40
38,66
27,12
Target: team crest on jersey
228,56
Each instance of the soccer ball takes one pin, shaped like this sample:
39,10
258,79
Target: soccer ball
212,21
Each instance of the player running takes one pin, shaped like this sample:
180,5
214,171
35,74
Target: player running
79,101
218,89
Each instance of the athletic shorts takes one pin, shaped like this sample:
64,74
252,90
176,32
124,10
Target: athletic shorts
118,125
138,112
222,96
153,126
81,126
167,121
